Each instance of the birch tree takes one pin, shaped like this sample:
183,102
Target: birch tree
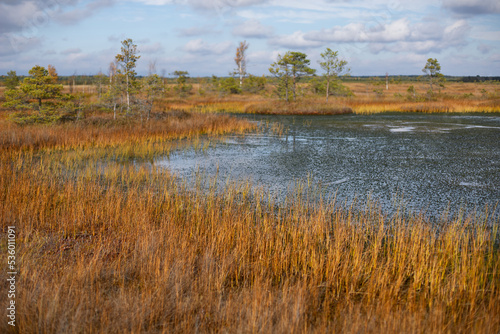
112,71
126,61
241,60
53,73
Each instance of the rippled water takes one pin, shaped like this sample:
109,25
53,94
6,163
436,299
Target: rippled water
432,161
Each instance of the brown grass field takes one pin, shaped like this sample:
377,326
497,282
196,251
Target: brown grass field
107,243
455,97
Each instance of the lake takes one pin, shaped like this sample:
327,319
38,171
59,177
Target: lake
429,162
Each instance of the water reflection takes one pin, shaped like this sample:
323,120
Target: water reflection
434,161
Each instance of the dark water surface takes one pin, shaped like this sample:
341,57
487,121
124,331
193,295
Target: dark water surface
432,161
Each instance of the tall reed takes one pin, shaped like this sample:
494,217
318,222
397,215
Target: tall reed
114,247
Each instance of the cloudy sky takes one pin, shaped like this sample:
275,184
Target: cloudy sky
201,36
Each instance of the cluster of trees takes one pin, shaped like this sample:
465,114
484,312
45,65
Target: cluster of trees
123,89
292,66
39,86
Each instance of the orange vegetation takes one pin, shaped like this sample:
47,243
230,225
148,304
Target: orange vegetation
111,247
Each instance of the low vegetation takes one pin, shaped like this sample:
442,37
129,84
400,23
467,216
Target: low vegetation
111,247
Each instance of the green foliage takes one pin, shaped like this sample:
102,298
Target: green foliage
15,98
281,70
282,88
100,81
432,71
336,88
152,88
254,84
411,95
111,98
182,88
126,61
12,80
229,86
379,92
333,67
289,69
224,86
39,85
48,114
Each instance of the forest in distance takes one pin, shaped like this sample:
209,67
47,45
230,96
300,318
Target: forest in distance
108,240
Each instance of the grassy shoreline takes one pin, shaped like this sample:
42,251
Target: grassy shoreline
457,97
112,247
337,107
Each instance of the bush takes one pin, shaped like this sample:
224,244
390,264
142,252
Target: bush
229,86
254,85
336,88
46,115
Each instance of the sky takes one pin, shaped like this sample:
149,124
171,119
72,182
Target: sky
200,36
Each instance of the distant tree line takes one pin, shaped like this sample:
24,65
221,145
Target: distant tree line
124,92
479,78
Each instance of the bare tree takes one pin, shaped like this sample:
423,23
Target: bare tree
152,67
241,60
112,71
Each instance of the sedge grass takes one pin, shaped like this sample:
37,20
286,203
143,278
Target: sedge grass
123,248
457,97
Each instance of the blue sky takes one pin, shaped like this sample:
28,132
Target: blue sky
375,37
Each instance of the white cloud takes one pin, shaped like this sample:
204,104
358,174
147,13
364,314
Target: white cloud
495,58
294,40
22,21
197,31
216,5
397,36
11,44
482,33
252,29
151,48
262,56
78,14
71,51
199,46
358,32
16,16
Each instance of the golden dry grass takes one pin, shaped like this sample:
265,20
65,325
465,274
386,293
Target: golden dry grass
456,97
109,247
